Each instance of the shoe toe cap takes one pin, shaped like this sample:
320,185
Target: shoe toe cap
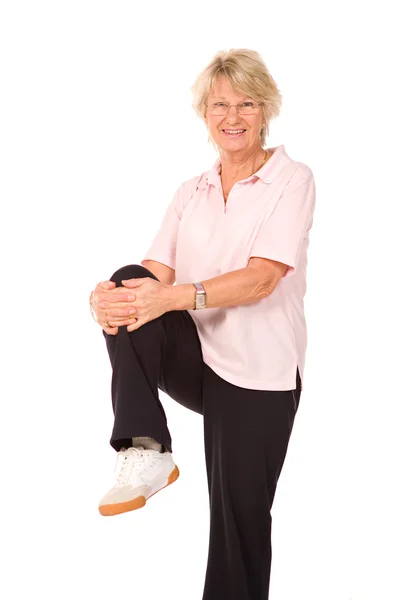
125,493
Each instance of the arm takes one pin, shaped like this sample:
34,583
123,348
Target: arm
280,237
244,286
164,273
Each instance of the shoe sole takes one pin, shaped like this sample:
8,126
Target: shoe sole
109,510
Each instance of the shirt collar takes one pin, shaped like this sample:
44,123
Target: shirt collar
267,173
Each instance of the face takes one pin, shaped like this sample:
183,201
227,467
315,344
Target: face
221,127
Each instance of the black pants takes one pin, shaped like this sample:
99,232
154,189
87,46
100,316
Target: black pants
246,434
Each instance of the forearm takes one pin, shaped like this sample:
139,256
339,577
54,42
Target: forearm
243,286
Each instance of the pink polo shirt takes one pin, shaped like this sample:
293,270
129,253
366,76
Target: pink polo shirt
256,346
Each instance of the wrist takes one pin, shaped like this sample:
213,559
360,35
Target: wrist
181,297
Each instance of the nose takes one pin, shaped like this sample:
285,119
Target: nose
232,115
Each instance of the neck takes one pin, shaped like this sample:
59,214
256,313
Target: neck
235,165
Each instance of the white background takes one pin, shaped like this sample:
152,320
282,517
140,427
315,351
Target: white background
97,133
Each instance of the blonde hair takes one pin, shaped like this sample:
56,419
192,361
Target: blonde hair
247,74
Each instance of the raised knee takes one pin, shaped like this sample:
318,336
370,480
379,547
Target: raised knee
130,272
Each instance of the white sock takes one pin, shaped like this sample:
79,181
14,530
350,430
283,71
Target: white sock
147,442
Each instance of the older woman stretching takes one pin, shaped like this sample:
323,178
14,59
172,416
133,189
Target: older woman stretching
214,317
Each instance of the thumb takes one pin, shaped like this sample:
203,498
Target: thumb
132,283
107,285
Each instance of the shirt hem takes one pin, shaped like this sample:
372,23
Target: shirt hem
287,384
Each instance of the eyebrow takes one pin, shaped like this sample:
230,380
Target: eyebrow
223,97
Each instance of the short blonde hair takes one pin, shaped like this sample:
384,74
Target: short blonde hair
247,74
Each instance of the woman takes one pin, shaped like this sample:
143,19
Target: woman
228,340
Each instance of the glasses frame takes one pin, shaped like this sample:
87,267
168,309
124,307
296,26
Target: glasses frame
237,106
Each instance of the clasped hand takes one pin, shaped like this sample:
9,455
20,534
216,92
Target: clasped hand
136,303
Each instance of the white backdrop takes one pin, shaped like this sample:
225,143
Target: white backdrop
97,132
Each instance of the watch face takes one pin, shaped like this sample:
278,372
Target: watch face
201,301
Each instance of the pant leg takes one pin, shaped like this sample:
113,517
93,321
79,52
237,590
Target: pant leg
246,436
164,353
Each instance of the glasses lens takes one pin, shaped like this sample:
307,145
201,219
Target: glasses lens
219,109
247,110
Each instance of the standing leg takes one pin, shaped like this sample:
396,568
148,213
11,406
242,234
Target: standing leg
164,353
246,436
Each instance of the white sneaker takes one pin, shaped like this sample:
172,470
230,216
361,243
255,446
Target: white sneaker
141,473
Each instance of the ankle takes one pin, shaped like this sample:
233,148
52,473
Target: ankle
148,443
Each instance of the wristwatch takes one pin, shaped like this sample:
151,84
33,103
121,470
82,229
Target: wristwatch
200,296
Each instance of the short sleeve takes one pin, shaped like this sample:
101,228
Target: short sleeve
280,238
163,247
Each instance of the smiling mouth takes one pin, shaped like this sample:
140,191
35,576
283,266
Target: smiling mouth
233,132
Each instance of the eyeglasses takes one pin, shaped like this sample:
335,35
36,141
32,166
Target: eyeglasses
221,108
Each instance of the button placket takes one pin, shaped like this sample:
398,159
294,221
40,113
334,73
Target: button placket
234,189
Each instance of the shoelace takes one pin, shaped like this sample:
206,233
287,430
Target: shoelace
126,461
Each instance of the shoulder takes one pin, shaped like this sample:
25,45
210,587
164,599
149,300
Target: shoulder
300,189
187,190
283,168
191,185
295,184
303,171
300,171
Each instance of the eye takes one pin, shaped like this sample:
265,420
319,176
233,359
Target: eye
217,104
248,104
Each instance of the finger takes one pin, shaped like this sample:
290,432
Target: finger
115,314
106,285
120,323
114,296
116,321
110,330
132,283
126,305
134,326
101,288
120,290
120,320
124,313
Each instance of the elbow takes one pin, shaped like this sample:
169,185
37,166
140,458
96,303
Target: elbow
269,285
266,276
263,290
267,292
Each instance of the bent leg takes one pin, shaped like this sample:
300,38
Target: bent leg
164,353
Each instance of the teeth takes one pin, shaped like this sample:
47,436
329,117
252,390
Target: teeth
234,130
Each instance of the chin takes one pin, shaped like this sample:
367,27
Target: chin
233,145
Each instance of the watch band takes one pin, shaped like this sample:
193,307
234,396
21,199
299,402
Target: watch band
200,296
